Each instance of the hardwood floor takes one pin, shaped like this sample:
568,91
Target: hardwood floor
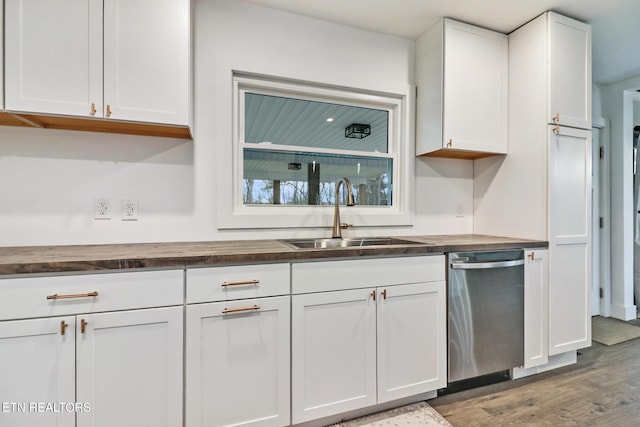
602,389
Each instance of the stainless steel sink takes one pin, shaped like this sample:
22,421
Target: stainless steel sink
347,242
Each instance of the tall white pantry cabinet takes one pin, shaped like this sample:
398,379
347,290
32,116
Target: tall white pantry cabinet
542,188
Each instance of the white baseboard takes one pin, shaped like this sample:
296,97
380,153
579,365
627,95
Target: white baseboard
368,411
555,362
624,312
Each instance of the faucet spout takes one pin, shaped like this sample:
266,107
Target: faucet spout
337,226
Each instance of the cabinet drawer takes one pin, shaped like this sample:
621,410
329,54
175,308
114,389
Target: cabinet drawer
362,273
24,297
237,282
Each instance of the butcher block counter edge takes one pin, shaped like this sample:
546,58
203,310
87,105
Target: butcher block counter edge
91,258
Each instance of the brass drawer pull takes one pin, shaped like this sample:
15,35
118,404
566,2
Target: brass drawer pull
89,294
244,282
63,327
238,310
83,325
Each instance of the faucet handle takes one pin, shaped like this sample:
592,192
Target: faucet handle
344,225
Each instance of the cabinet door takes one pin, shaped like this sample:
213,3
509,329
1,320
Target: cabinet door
53,56
411,340
38,368
1,55
569,72
238,363
333,345
475,88
129,367
146,60
569,239
536,308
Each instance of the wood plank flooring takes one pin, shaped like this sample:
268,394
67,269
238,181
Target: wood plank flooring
602,389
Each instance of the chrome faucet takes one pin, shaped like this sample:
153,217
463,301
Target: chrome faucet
337,226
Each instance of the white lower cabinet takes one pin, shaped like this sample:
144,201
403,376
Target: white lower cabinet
38,366
333,353
85,367
129,364
411,338
359,347
238,363
536,308
238,350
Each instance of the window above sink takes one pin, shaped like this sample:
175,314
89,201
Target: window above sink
293,141
297,144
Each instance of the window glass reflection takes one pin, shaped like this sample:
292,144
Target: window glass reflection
302,178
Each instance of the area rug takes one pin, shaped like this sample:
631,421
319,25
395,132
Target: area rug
416,414
608,331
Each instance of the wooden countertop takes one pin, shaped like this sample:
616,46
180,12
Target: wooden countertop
86,258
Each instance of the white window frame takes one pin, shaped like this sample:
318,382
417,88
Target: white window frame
400,150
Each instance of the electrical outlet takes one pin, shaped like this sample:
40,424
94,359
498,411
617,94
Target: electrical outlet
101,208
129,210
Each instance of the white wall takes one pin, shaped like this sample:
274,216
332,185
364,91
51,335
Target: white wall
48,179
618,107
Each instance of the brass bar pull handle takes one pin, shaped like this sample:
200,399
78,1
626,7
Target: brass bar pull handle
83,325
238,310
556,129
63,327
450,143
384,294
108,110
556,118
93,109
67,296
373,295
531,256
242,282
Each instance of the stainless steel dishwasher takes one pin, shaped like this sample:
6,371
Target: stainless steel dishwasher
486,313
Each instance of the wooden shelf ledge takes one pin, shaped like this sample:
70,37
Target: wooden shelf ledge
450,153
93,125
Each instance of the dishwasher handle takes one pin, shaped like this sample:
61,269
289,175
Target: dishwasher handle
485,265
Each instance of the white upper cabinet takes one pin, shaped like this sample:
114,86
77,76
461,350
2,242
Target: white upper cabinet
569,72
462,79
136,53
51,67
146,60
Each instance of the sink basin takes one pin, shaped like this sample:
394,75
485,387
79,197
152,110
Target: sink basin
347,243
